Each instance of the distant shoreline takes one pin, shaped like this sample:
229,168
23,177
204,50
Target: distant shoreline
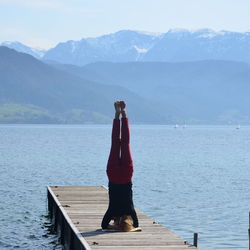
180,126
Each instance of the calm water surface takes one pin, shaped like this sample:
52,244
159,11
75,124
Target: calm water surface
193,179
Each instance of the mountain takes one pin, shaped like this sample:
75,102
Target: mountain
37,53
176,45
34,90
204,92
173,46
206,44
121,46
193,92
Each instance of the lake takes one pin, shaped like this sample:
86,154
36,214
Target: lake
190,179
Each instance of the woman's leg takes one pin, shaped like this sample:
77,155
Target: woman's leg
114,156
126,157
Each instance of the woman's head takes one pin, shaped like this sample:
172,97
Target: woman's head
117,222
126,223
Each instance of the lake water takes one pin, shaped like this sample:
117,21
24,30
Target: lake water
193,179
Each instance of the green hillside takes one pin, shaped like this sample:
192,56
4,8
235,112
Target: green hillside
203,92
33,91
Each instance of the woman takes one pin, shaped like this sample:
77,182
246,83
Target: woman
120,171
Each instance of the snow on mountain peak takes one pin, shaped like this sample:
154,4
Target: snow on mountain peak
178,30
148,33
38,53
73,45
140,50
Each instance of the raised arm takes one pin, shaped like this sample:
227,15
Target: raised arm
106,219
135,219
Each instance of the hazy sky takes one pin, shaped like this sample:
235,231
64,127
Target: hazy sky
44,23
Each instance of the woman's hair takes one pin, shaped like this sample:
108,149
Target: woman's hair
116,224
126,223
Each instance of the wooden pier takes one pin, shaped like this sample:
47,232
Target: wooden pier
76,213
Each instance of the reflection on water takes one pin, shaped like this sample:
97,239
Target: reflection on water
191,180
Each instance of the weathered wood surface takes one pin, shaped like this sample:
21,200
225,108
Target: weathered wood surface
77,212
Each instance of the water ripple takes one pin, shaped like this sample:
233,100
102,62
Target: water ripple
195,180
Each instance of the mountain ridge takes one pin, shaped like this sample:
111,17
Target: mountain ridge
209,91
200,92
176,45
28,81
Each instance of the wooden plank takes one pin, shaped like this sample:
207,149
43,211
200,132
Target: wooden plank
84,207
136,242
145,229
93,246
66,188
95,221
76,240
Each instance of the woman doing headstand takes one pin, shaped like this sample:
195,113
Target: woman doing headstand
120,171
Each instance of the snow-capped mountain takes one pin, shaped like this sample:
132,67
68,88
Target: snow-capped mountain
38,53
176,45
205,44
122,46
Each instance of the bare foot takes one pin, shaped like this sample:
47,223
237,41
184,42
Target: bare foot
122,105
117,109
117,106
123,108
